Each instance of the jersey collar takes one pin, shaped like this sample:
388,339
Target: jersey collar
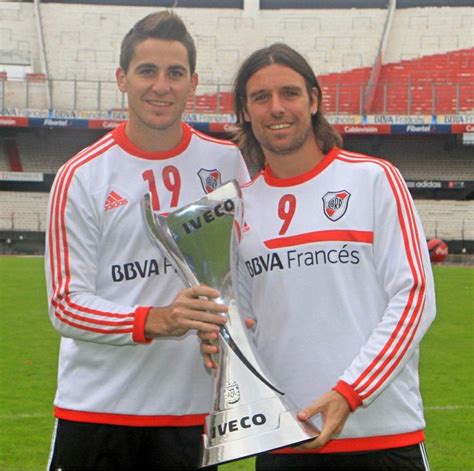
272,180
124,142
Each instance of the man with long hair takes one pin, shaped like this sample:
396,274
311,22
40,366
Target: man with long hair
339,313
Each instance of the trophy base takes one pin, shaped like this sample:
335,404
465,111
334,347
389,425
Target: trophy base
291,431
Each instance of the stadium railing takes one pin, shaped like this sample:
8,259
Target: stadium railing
340,97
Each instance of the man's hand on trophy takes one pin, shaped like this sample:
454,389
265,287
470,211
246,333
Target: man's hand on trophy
193,308
334,410
209,346
208,349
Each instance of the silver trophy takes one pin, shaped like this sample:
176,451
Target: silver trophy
250,414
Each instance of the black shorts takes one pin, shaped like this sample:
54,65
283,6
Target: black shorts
83,446
411,458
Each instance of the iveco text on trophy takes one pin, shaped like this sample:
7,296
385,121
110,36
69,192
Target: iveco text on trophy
250,414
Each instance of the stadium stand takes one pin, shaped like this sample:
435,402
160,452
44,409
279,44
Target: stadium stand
81,47
4,164
42,150
447,220
23,211
439,83
427,70
45,150
419,157
12,155
447,77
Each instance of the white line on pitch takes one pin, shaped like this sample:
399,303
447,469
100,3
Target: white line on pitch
24,416
449,407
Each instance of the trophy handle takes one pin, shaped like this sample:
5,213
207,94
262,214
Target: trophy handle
233,346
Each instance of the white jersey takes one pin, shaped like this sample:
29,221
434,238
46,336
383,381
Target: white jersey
103,274
337,275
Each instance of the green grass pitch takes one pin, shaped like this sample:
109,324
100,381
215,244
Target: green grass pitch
28,359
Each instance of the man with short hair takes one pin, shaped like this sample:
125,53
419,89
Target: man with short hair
346,294
132,392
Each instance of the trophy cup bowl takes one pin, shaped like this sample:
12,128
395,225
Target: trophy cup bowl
250,413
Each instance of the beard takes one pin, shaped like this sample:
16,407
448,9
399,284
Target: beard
284,148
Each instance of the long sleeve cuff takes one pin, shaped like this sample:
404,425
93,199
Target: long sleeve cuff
349,394
138,334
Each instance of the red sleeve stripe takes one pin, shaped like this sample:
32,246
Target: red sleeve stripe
57,190
415,319
381,381
78,317
391,356
418,290
412,267
72,166
128,330
59,253
57,226
61,290
402,336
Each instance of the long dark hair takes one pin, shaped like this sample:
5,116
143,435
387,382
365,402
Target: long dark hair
278,53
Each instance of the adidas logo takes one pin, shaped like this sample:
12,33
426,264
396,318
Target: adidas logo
114,201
